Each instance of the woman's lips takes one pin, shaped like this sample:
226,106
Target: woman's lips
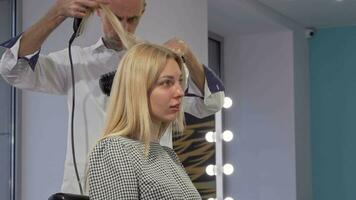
175,108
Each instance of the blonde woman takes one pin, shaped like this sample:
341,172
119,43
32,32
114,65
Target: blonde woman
128,162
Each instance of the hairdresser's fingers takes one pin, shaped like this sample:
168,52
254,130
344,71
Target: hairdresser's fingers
81,12
92,4
177,45
78,8
70,8
77,11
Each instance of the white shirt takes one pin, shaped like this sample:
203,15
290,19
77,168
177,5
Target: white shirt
51,74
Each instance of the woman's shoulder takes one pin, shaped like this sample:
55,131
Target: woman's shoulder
117,144
117,141
111,156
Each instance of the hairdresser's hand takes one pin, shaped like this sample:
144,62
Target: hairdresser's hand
195,68
33,38
77,8
178,46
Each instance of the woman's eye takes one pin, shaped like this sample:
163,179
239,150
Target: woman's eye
167,83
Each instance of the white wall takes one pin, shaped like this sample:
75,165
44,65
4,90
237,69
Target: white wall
258,75
44,117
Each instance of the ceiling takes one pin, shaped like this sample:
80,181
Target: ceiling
226,17
316,13
240,16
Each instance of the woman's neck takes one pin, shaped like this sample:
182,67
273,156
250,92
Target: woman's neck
155,131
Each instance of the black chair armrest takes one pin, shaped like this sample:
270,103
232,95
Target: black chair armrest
66,196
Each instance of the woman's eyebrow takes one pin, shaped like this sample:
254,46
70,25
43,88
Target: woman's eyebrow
171,76
167,76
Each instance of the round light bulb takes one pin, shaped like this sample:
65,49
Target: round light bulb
210,170
210,136
227,102
228,198
228,169
227,136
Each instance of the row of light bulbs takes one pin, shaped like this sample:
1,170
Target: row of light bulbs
227,136
228,169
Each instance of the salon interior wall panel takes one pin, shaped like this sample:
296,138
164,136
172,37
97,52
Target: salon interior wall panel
185,19
43,144
259,78
333,113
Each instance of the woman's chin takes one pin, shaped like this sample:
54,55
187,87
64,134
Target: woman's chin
170,118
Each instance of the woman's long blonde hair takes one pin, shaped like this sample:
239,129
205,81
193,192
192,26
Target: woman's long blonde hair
128,112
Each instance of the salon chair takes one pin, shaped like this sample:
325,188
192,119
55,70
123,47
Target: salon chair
66,196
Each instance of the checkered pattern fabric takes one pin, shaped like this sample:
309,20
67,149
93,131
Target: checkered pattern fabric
118,169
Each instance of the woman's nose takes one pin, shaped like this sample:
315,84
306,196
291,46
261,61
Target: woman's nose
179,91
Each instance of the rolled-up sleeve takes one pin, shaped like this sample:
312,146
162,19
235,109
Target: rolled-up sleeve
11,53
202,105
34,72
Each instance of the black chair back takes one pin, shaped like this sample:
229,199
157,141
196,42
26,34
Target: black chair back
66,196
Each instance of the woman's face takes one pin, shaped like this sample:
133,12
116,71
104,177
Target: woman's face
166,96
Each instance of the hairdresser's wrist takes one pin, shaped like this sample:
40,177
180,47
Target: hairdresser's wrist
55,16
195,68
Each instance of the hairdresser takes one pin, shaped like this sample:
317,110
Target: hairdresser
24,67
